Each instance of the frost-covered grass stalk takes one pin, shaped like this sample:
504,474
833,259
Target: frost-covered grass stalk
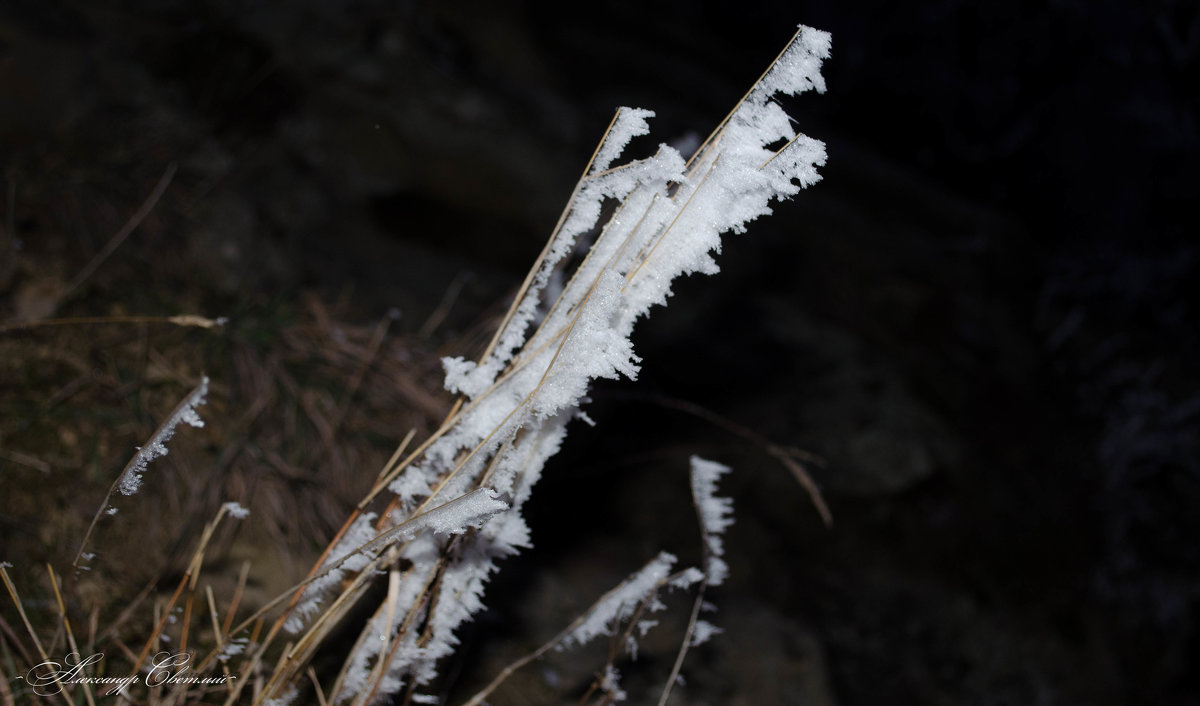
453,505
130,480
628,604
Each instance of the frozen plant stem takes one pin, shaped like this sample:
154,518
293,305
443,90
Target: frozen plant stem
668,216
621,603
715,515
131,476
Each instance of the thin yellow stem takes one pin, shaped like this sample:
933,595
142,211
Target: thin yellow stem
737,106
62,611
178,320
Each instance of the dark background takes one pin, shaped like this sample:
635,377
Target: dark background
983,319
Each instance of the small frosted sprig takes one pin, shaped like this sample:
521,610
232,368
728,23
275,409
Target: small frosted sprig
620,603
643,224
236,509
131,478
715,513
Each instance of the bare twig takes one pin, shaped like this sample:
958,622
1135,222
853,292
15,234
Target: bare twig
787,456
439,314
6,695
66,622
131,225
312,676
25,460
16,599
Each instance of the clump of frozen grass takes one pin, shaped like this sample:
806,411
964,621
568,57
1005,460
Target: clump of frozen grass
451,509
454,517
567,326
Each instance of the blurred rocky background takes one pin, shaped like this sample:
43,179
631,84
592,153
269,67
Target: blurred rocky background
982,324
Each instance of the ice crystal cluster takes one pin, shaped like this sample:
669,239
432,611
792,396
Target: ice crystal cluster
458,504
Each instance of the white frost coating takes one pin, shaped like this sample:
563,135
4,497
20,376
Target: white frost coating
344,557
422,552
571,326
185,412
703,632
621,602
236,510
465,578
284,699
687,578
357,548
461,514
231,649
611,683
665,167
629,123
644,626
592,349
799,69
716,514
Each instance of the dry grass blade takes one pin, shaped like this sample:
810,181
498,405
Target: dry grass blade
16,599
702,150
679,214
234,602
10,638
190,577
66,623
390,607
312,676
131,225
439,314
697,604
185,320
25,460
6,695
219,636
786,456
